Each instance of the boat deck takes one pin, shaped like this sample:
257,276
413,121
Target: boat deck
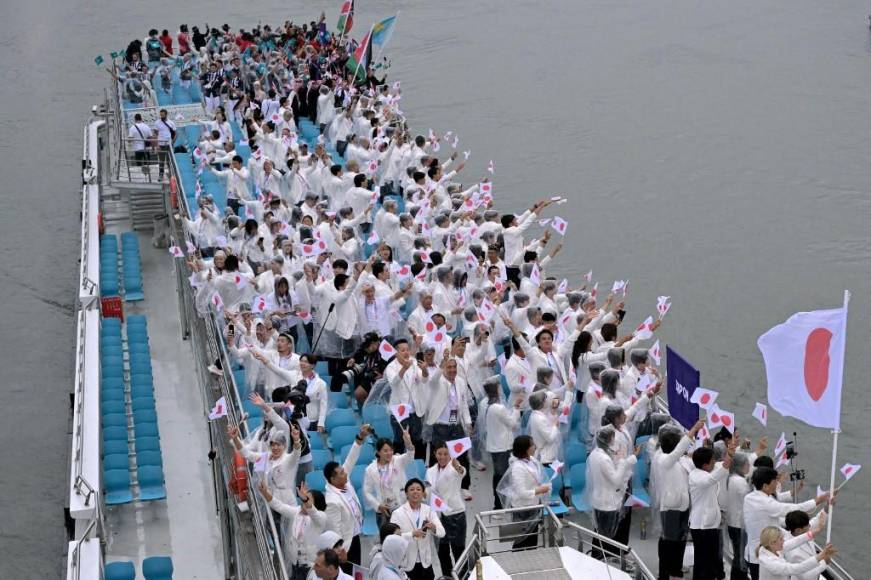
184,525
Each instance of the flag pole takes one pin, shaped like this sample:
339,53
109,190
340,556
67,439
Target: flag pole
368,40
835,432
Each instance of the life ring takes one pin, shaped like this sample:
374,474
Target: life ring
173,192
239,477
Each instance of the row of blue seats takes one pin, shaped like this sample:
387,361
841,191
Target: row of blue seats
132,267
114,417
153,568
109,279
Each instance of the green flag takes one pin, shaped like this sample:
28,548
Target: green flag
99,60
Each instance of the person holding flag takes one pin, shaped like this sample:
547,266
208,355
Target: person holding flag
444,483
385,477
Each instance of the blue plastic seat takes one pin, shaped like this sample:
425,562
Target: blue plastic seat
338,418
117,485
136,319
316,441
315,480
114,420
115,446
119,571
575,453
112,372
112,408
382,428
115,434
143,403
144,416
639,479
145,377
116,461
141,391
556,502
322,369
338,401
367,454
578,478
157,568
142,430
342,436
416,468
149,458
147,444
320,457
373,413
106,322
151,483
358,474
370,523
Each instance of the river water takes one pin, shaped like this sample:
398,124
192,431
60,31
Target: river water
713,152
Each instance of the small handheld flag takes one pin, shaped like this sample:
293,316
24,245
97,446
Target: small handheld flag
704,398
401,411
760,413
437,503
849,470
219,410
386,350
459,446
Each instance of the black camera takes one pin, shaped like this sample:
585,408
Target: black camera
790,450
797,475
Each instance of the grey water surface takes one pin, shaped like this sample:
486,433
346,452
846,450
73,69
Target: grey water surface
714,152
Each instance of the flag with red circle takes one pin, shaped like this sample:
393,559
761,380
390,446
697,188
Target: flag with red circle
559,225
704,398
459,446
655,353
760,413
437,503
718,417
849,470
402,411
386,350
219,410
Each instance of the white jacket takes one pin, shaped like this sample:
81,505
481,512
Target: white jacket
777,567
762,510
237,182
439,393
704,508
608,478
377,491
280,474
500,426
670,474
302,531
801,552
446,484
343,319
546,434
344,510
419,549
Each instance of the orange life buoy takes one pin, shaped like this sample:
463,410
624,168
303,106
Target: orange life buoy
239,477
173,192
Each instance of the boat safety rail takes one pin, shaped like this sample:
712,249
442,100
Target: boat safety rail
614,553
251,540
78,559
496,530
135,164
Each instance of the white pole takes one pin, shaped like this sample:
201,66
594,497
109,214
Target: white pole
836,431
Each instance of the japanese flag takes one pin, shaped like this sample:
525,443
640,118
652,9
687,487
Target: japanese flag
360,573
643,384
176,252
663,305
635,501
565,414
781,461
437,503
403,271
820,491
655,353
717,417
560,225
455,141
491,168
466,155
459,446
595,291
261,463
386,350
703,433
781,445
618,285
589,276
217,302
625,288
424,256
563,286
704,398
849,470
760,413
240,281
485,187
373,238
219,410
804,362
194,280
644,329
535,275
402,411
557,466
190,247
437,336
373,166
259,304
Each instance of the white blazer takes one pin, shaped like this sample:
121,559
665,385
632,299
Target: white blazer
608,478
374,488
446,484
775,567
419,549
341,518
301,531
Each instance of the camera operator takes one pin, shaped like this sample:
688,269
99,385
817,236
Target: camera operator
364,368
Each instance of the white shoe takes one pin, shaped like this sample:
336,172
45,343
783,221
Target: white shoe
467,495
215,371
479,466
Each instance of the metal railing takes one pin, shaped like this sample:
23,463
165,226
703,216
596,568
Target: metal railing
496,531
75,562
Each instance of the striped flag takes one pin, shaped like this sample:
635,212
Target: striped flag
382,31
346,18
359,61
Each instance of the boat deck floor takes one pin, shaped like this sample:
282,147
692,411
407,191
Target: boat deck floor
184,526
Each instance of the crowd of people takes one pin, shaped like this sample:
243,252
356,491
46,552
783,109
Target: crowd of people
365,251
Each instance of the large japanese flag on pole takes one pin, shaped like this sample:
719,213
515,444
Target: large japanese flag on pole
804,363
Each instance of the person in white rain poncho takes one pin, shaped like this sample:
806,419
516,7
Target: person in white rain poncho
773,565
544,425
608,473
444,480
524,485
393,553
498,422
